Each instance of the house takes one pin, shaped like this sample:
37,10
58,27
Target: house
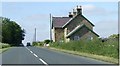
73,27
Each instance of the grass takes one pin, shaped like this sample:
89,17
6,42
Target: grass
3,50
108,50
3,47
99,57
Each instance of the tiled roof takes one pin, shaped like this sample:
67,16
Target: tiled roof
59,21
74,18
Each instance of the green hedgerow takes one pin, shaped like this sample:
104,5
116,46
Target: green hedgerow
107,48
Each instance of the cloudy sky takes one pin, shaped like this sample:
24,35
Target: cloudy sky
31,15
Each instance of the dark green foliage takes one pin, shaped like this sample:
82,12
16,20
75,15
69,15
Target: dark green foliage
47,41
38,43
34,44
108,48
114,36
12,32
3,45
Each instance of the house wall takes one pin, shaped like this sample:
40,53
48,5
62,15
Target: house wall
59,34
89,36
53,34
78,21
84,34
65,34
79,33
87,24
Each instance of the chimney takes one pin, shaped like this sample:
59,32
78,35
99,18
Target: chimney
70,15
74,12
79,9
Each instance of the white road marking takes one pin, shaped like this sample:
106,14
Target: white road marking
42,61
37,57
31,51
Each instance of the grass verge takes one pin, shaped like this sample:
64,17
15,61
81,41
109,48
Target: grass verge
98,57
3,50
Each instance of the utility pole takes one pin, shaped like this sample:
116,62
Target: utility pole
35,34
34,40
50,28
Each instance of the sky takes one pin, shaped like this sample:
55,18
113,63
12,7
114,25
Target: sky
31,15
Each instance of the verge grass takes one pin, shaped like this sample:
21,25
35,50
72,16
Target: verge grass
107,51
3,47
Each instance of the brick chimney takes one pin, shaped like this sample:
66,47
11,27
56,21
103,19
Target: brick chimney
79,9
70,14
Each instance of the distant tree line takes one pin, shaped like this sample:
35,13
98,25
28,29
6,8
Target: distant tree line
12,33
111,37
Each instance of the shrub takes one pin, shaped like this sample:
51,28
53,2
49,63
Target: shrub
47,41
107,48
3,45
34,44
40,43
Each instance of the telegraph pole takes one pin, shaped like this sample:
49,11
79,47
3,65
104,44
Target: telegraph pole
50,28
35,34
34,40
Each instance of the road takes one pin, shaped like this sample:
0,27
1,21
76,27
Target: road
43,56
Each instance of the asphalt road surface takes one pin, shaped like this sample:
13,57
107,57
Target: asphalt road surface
44,56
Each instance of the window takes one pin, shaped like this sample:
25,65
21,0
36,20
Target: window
76,37
90,37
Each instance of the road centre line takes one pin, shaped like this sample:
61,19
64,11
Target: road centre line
42,61
37,57
31,51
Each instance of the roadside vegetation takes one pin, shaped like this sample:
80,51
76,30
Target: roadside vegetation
41,43
102,48
107,47
11,33
3,47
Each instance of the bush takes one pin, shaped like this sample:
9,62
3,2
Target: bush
38,43
107,48
47,41
3,45
34,44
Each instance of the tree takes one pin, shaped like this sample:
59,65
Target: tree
46,41
114,36
34,43
12,32
0,29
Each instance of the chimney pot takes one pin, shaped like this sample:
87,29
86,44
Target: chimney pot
70,14
80,7
74,12
79,10
77,7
